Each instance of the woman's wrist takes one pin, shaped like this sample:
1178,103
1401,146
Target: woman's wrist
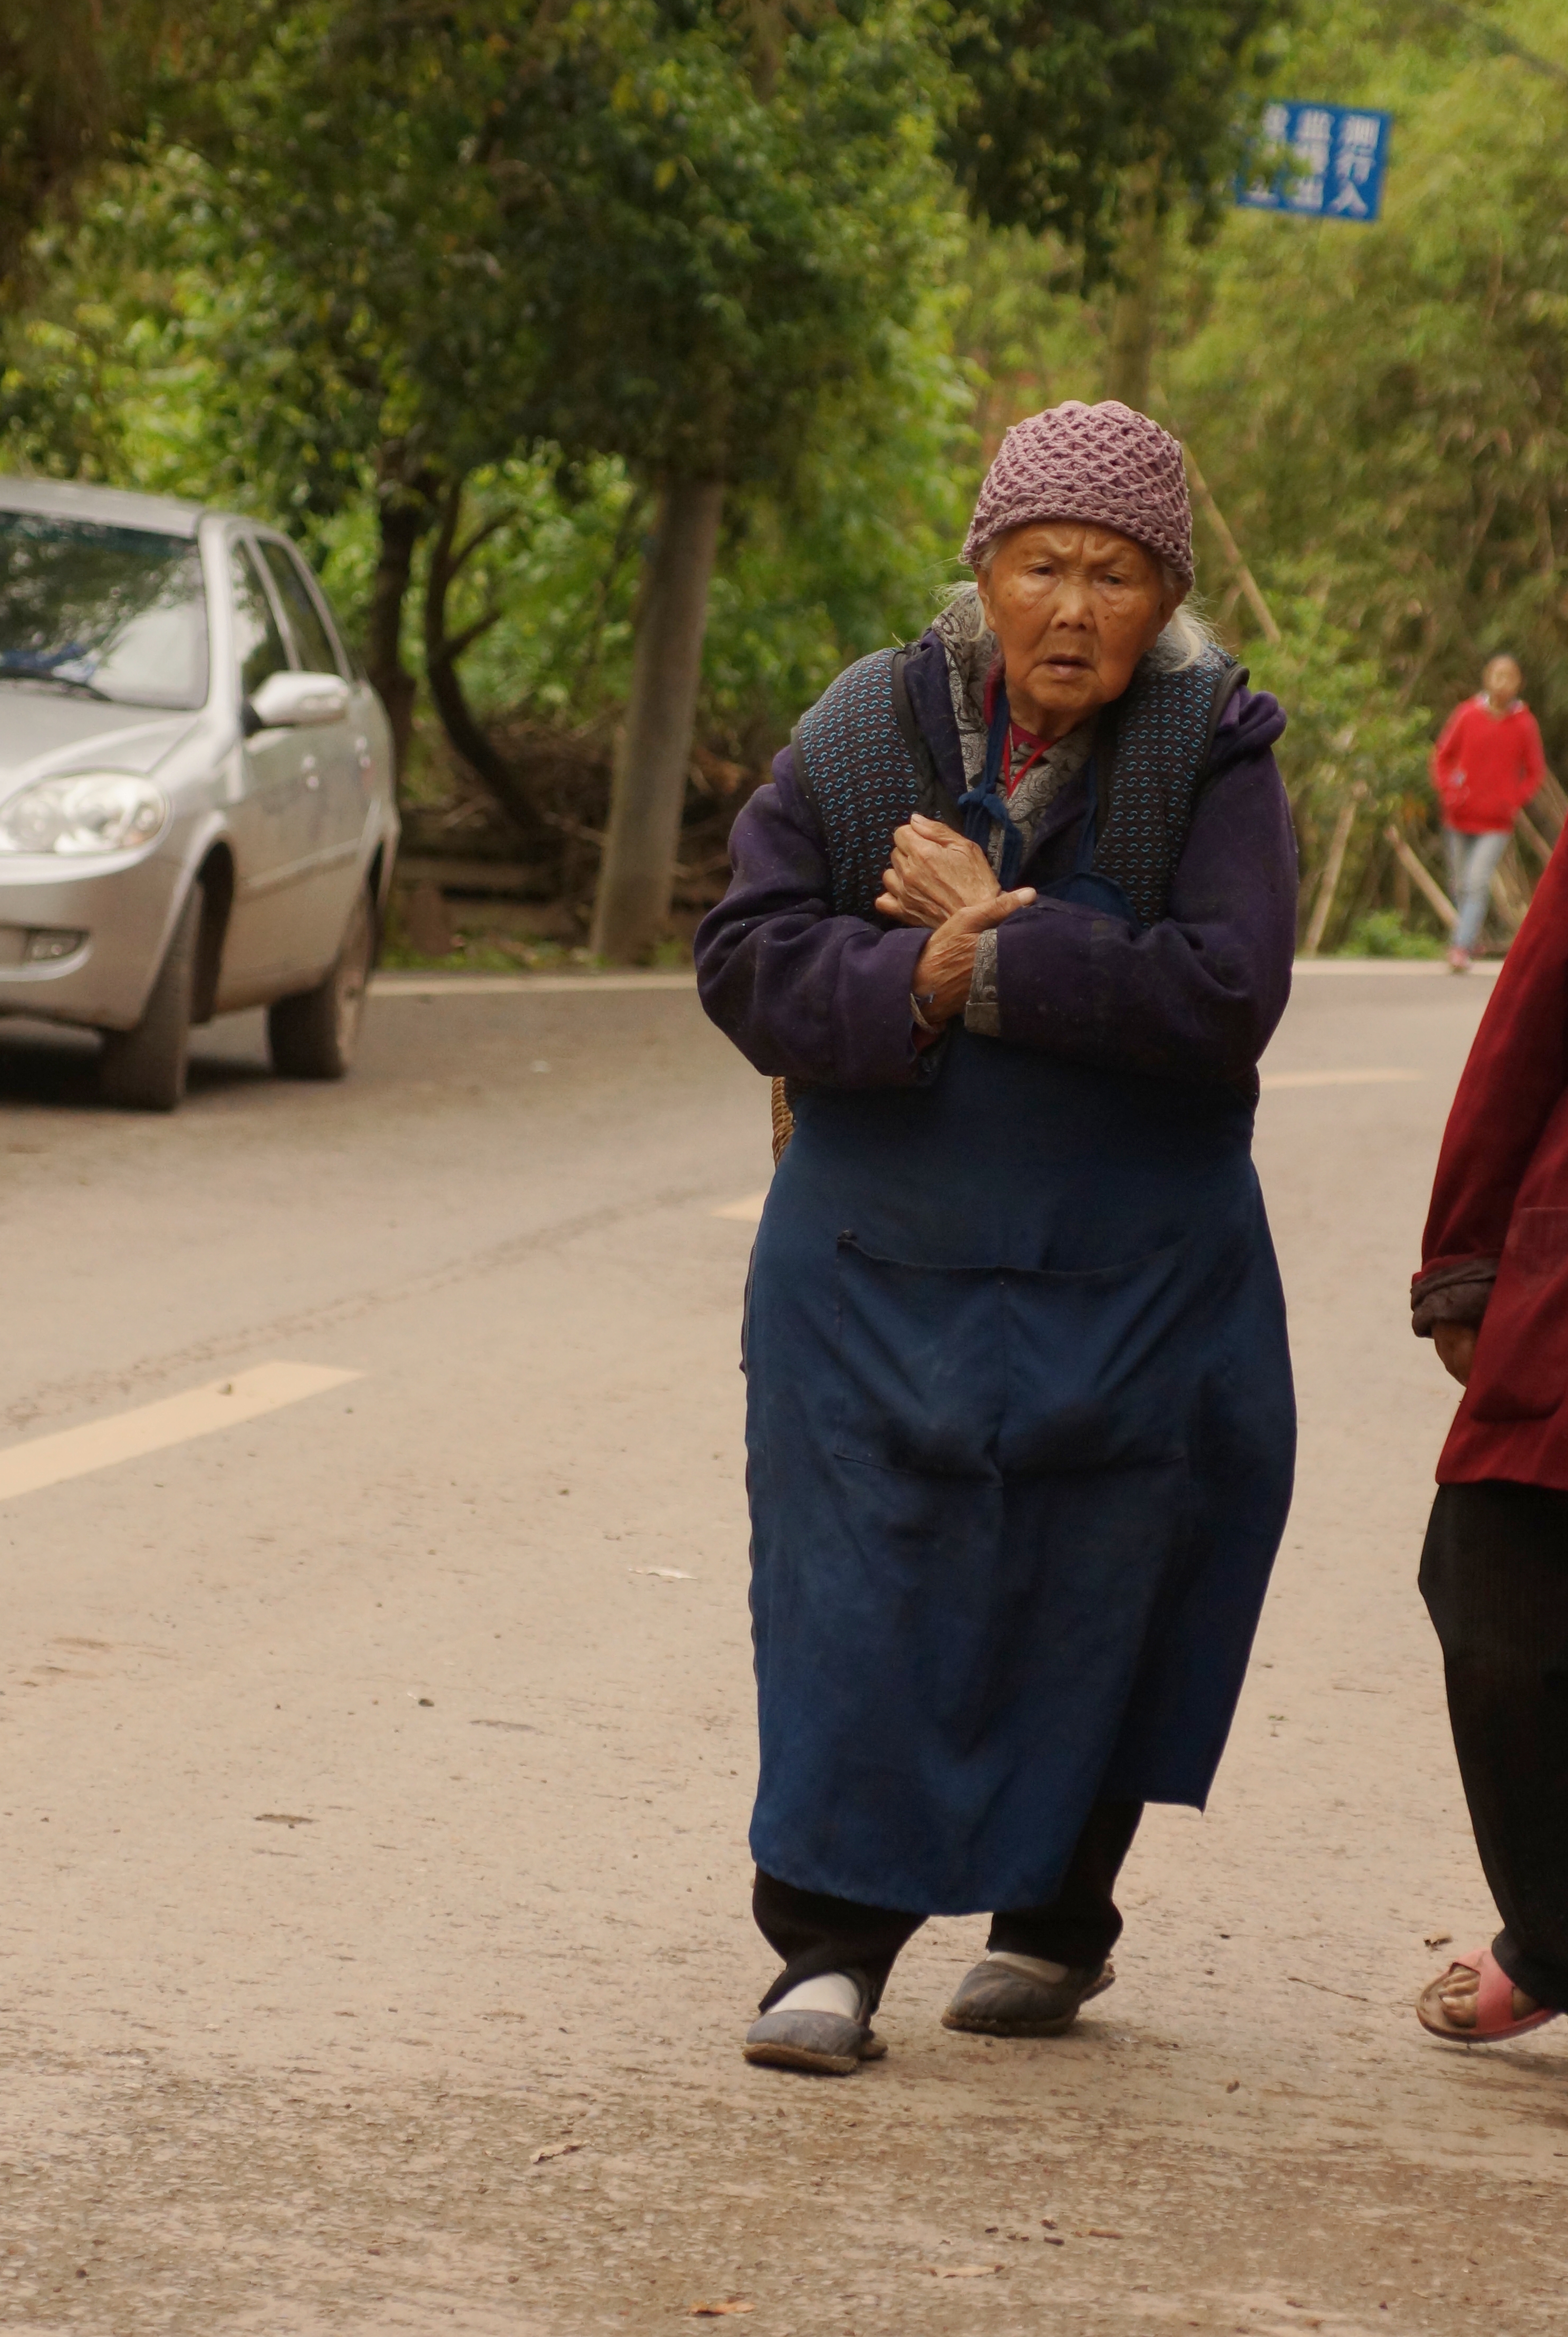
945,969
943,972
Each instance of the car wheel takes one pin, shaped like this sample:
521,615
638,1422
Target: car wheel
314,1035
144,1068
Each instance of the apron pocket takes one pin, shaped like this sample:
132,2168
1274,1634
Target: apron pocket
992,1373
920,1365
1099,1373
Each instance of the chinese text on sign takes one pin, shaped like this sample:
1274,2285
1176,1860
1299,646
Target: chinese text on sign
1338,154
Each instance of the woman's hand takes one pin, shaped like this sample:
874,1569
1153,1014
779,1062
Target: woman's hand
946,966
1455,1345
935,872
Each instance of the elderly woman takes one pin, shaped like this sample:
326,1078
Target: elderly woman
1015,921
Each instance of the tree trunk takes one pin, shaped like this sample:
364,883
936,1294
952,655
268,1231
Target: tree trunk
442,651
405,514
1135,309
638,871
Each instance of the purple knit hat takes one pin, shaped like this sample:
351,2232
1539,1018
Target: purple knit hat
1104,464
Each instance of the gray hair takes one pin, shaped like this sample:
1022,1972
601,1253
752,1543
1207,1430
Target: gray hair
1188,637
1184,641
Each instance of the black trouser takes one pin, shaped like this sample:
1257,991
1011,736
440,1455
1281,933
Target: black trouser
814,1933
1495,1577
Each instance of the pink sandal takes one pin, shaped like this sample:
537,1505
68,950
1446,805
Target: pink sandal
1494,2018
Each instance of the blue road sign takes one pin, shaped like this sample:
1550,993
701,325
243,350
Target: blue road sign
1340,155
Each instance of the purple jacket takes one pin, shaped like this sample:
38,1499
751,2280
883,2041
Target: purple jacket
825,999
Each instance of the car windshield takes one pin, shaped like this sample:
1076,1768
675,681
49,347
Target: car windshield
111,612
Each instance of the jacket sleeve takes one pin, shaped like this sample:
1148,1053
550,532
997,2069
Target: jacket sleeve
1445,753
803,994
1535,759
1511,1085
1197,995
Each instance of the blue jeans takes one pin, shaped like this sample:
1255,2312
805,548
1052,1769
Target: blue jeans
1472,865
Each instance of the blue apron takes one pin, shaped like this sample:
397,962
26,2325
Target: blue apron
1020,1435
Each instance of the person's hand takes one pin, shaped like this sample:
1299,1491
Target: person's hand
935,872
946,966
1455,1345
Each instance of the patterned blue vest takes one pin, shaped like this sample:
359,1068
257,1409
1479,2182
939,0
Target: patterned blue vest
864,767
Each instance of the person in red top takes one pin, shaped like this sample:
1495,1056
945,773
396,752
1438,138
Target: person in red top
1492,1294
1486,767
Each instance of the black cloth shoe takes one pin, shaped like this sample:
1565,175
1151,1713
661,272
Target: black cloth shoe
826,2044
999,1999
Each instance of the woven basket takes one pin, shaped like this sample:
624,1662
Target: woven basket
783,1122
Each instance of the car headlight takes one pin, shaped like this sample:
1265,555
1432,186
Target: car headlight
93,811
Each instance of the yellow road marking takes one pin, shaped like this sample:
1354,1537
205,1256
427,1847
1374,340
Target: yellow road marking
175,1420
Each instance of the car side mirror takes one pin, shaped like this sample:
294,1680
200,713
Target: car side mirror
291,701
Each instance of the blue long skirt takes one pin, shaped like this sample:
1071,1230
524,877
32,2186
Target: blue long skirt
1020,1432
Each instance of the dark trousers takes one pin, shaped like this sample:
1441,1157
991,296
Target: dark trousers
814,1933
1495,1577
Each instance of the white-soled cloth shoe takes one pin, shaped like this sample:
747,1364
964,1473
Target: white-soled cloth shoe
1023,1996
823,2026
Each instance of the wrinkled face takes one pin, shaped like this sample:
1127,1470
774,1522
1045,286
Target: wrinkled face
1502,679
1074,608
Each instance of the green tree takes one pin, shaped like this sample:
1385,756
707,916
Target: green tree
240,302
727,235
334,219
76,80
1066,103
352,291
1092,121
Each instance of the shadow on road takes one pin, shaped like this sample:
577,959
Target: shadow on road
44,1064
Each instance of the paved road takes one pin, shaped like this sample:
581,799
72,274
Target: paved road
376,1765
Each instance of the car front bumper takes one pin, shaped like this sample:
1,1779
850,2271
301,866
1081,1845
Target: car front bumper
82,944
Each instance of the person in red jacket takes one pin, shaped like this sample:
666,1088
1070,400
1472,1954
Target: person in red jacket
1486,767
1492,1294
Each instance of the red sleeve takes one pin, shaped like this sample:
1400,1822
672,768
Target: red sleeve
1445,754
1534,758
1516,1073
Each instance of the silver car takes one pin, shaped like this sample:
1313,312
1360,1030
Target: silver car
197,808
